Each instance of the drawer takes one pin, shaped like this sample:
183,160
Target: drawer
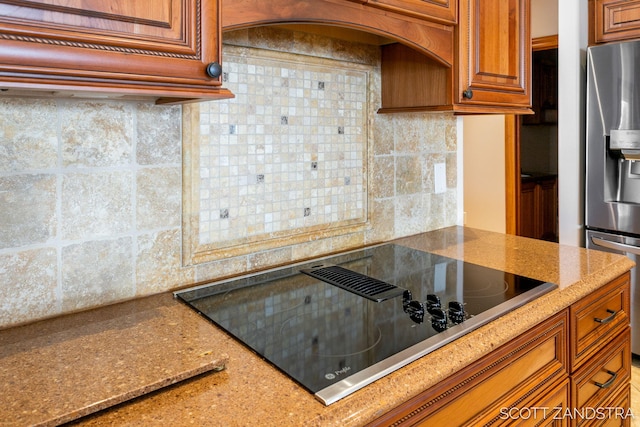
529,365
597,318
621,415
543,411
594,384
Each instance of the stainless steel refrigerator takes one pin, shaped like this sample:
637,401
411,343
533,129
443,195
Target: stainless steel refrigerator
612,184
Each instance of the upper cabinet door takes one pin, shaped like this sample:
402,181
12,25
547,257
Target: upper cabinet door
143,47
613,20
495,54
435,10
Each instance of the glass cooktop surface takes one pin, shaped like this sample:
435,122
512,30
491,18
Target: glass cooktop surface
339,323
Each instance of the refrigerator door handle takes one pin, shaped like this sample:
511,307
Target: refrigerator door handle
623,247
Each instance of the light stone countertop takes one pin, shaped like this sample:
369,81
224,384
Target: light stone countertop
252,392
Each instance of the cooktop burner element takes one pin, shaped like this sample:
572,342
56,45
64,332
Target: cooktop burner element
337,324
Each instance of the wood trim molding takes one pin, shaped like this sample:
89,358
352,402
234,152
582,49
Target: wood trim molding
546,42
512,172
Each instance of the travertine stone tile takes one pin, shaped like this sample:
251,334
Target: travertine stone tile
436,205
265,259
27,209
450,133
159,263
383,177
29,285
97,272
96,204
408,175
158,197
383,135
223,268
382,222
451,162
352,240
429,162
158,134
411,214
433,129
312,249
410,133
96,133
28,135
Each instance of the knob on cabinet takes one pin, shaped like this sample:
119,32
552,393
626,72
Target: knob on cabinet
214,70
467,94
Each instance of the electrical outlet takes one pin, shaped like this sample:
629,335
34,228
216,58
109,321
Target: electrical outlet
440,173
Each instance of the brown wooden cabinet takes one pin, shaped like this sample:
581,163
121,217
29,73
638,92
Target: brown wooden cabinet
490,72
613,20
436,10
138,48
574,363
600,354
494,55
480,65
384,18
539,208
533,366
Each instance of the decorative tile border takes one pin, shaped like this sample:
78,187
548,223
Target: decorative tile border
284,162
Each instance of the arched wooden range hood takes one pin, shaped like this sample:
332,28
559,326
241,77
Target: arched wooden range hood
434,39
464,56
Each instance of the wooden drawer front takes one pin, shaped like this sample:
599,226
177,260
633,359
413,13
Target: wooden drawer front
598,317
543,411
474,396
616,20
593,384
621,404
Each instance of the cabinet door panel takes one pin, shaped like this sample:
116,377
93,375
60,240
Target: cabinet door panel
160,26
614,20
528,226
495,58
141,46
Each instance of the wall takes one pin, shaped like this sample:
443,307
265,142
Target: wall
544,18
572,36
484,176
91,196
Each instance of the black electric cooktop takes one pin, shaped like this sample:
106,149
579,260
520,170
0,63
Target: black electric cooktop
339,323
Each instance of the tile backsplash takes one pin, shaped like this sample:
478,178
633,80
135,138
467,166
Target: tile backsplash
92,207
286,157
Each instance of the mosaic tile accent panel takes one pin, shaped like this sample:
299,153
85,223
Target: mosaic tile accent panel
288,154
